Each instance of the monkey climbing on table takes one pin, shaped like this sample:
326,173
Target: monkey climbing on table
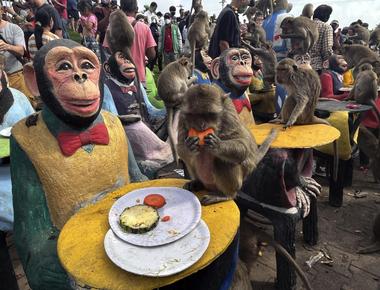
303,87
222,152
172,84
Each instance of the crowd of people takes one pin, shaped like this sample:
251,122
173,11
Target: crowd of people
160,38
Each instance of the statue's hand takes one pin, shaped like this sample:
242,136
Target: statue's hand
44,269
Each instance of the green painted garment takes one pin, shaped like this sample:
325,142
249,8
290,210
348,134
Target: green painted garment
151,90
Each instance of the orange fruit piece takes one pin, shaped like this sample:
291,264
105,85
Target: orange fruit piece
200,134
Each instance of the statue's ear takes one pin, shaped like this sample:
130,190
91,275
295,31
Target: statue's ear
215,68
30,79
107,68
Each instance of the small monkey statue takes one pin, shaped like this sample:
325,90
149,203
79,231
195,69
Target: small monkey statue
172,84
303,87
218,150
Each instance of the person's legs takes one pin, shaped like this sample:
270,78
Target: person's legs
16,81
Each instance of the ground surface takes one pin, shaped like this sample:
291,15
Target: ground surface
341,232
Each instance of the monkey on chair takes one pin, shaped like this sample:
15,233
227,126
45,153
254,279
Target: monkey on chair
218,150
172,84
303,87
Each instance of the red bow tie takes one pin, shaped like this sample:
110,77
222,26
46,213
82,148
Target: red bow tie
240,103
70,142
126,90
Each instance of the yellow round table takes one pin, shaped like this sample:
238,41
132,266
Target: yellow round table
81,250
298,136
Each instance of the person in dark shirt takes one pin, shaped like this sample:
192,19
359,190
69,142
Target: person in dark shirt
50,10
227,30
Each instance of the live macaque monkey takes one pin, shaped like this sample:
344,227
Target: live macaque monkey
303,87
199,33
221,160
365,87
172,84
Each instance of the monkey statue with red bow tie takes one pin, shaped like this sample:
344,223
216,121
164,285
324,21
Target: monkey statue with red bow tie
139,117
232,72
63,158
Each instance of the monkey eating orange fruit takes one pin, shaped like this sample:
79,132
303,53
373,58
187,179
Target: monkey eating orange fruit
200,134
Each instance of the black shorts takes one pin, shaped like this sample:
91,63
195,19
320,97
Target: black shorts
73,13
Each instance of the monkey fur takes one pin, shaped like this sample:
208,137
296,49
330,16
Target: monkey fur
228,155
199,33
256,35
357,54
120,34
375,247
303,87
374,39
361,34
268,57
369,144
365,87
308,11
302,31
172,84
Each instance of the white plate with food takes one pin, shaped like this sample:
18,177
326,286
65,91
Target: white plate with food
154,216
6,132
158,261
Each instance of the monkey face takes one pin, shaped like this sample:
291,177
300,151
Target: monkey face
284,70
238,63
126,67
74,74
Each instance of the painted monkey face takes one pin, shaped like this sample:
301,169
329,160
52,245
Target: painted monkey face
74,74
126,67
239,62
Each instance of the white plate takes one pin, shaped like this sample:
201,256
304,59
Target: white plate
182,206
6,132
158,261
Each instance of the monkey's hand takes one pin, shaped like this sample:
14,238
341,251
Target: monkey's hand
288,124
303,201
212,141
276,121
192,143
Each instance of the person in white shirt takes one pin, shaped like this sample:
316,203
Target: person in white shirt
151,12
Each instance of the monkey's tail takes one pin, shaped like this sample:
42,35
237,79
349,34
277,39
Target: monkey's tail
317,120
281,250
170,111
375,247
263,149
193,58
